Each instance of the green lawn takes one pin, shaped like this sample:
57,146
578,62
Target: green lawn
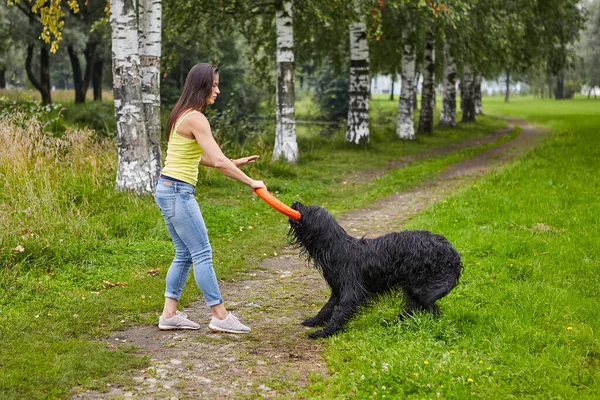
523,322
66,237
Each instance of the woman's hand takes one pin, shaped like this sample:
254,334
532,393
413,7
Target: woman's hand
240,162
257,185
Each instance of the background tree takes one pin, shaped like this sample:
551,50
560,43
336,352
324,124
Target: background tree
12,58
402,26
441,22
405,128
467,94
588,49
428,88
84,39
448,115
358,106
150,31
286,146
136,169
38,70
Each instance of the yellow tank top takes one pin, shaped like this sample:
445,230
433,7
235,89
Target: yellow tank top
183,156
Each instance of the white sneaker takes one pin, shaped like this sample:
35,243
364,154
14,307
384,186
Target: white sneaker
177,321
230,325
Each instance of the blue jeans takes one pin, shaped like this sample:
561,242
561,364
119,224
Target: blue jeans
182,215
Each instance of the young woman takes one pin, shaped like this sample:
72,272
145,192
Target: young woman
190,143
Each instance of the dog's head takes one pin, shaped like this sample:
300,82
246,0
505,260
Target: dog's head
315,227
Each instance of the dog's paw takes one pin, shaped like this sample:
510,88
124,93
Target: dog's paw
311,322
318,334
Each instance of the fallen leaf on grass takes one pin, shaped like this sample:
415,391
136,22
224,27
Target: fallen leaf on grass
19,248
152,272
540,226
110,284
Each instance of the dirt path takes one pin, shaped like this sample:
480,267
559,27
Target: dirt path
276,358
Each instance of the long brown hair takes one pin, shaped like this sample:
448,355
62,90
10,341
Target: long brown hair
198,86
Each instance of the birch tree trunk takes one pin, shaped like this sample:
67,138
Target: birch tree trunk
448,117
415,103
468,100
133,170
286,146
560,86
427,93
507,93
477,94
405,128
150,27
358,107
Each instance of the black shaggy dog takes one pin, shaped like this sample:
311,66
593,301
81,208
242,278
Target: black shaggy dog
423,265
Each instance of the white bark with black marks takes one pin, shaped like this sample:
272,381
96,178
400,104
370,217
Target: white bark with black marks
448,117
358,107
286,146
468,95
405,128
428,93
507,91
477,94
150,28
133,170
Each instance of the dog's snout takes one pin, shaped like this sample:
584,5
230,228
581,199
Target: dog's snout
296,205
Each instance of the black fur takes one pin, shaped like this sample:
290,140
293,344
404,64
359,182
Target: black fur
423,265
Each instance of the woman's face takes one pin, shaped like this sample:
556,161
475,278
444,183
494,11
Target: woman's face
215,90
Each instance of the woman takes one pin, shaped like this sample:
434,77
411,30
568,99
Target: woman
190,142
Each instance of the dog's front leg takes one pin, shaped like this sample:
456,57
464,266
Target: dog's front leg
324,315
341,312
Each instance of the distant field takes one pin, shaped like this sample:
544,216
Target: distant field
61,96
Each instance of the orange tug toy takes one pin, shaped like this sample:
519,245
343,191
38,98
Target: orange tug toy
277,204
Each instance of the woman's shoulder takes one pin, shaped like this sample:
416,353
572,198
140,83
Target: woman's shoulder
194,121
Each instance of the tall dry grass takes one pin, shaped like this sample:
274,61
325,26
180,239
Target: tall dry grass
42,181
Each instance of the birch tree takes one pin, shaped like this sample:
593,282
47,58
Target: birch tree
286,147
467,93
427,93
405,128
150,28
358,110
588,49
134,171
477,93
507,87
448,117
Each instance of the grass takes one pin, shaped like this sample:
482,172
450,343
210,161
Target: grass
60,95
80,260
523,321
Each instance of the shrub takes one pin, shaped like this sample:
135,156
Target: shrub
49,116
97,116
331,94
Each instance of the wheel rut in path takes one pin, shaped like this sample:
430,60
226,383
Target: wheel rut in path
276,359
